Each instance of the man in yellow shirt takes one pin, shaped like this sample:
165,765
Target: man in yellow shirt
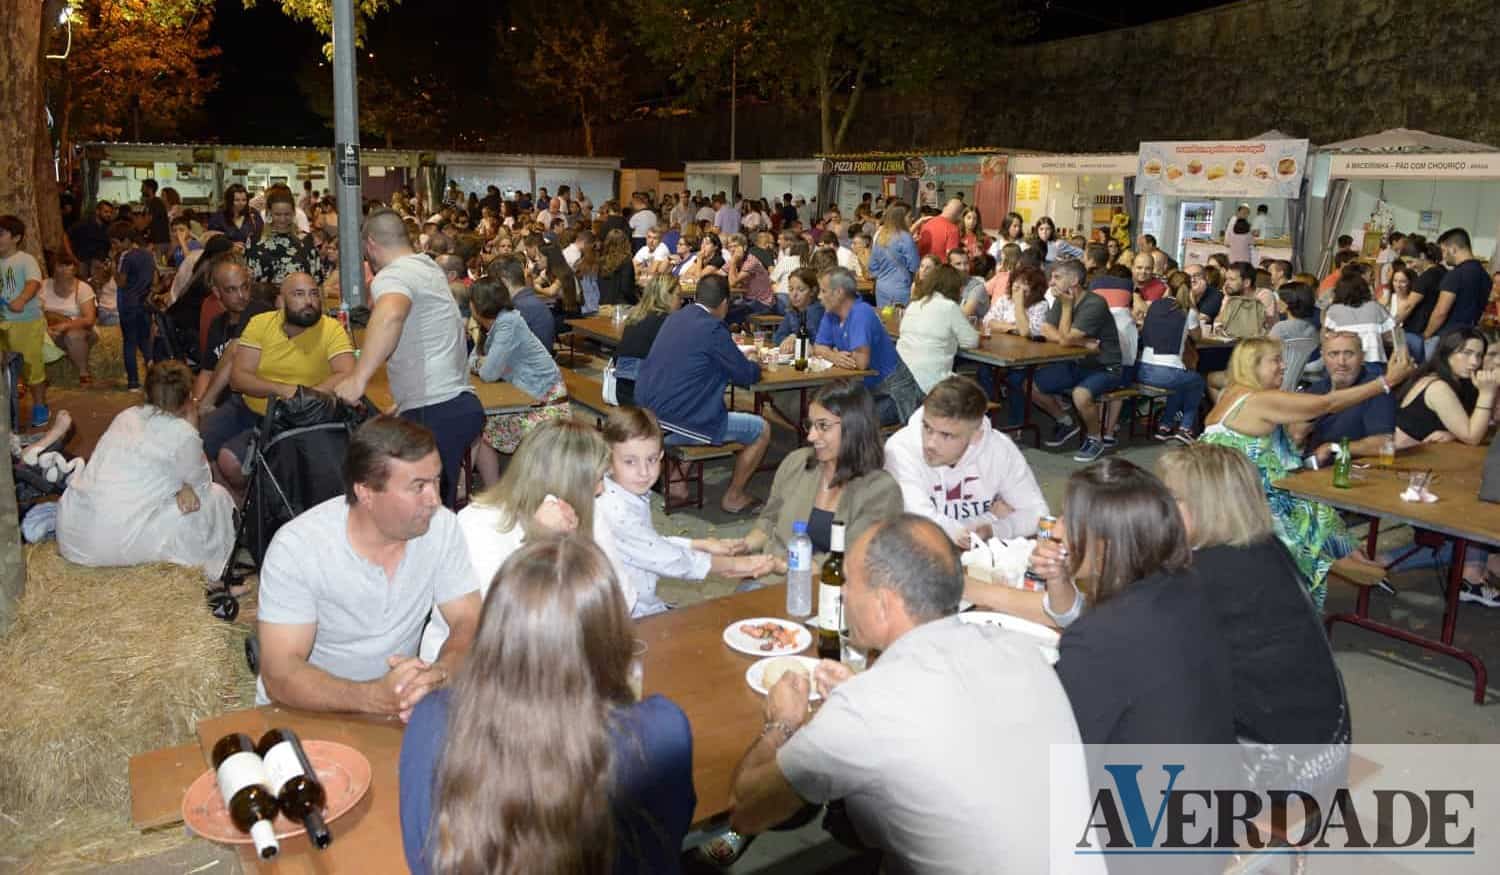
295,345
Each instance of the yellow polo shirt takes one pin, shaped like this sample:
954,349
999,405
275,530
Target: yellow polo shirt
302,360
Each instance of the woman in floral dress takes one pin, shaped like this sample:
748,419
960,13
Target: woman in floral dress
279,252
1253,415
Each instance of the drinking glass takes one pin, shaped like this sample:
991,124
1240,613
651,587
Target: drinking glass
1388,453
850,655
637,673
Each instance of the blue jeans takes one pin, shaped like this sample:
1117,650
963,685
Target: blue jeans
455,424
884,297
1060,378
742,428
1187,392
1415,348
135,332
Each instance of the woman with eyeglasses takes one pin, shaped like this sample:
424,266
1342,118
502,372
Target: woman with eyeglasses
839,476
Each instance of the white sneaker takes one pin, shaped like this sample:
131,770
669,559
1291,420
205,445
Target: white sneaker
1482,593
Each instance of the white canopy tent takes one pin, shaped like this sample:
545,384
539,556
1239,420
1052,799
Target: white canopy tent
1428,183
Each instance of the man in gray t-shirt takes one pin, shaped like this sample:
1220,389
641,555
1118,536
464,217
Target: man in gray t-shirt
347,586
416,333
940,751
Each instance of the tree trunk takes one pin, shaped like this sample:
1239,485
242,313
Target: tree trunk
825,109
12,560
21,95
588,128
49,228
852,106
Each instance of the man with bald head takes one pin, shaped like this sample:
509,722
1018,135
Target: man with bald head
416,333
279,352
229,280
1148,287
939,234
939,750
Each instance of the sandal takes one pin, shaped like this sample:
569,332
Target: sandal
724,850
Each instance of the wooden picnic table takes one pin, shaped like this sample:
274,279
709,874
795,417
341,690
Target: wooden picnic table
603,330
1458,515
1002,352
786,378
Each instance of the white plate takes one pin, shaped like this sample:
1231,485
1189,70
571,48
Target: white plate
1046,639
754,675
744,643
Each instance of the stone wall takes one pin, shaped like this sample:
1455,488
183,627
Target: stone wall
1322,69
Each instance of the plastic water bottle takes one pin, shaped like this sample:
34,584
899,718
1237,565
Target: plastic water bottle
799,572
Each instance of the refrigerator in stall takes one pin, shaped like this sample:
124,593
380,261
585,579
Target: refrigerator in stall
1196,222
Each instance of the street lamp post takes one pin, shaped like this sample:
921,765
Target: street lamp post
346,166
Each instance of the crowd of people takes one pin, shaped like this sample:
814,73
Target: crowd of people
500,630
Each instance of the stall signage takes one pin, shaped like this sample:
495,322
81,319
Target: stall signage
1475,165
790,168
911,167
1222,168
1108,165
721,168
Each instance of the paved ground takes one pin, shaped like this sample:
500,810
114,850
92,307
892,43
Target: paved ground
1397,692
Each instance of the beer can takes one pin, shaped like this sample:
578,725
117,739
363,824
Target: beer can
1045,528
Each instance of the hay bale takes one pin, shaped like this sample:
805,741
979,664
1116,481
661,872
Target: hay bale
102,664
106,361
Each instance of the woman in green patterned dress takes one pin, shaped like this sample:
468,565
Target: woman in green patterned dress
1251,416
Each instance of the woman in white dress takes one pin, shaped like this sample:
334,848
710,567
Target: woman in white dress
146,494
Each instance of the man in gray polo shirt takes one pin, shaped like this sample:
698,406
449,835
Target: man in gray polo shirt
941,750
346,587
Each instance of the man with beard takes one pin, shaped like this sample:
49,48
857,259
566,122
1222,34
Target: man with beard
346,587
1366,425
279,352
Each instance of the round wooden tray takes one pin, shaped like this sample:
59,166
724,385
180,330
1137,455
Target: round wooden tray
343,771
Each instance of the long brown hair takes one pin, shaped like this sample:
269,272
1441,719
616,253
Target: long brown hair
616,251
525,778
892,225
1123,525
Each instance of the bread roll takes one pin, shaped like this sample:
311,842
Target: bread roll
780,666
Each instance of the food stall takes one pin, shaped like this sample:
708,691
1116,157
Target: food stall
711,177
772,179
1191,189
595,177
1079,192
977,176
846,179
114,171
1404,180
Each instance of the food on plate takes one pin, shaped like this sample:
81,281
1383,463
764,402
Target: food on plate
1174,172
1238,168
1153,167
773,636
1286,166
780,666
1216,171
1195,167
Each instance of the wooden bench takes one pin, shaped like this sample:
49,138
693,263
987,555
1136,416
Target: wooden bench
685,467
1156,399
1357,574
586,392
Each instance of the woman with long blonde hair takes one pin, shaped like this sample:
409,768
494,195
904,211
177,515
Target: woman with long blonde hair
1252,415
893,258
548,488
539,758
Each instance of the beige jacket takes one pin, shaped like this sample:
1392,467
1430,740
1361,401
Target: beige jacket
865,500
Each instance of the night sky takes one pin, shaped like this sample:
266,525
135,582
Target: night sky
258,100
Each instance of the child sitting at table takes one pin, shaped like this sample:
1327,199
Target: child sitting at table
624,513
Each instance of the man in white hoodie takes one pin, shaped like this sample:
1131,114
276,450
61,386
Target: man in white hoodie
959,472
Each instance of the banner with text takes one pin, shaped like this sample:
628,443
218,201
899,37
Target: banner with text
1477,165
1222,168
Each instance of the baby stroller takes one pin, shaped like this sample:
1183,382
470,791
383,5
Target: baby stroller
295,461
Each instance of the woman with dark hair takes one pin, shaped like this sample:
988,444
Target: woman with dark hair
617,271
1452,397
1012,230
279,252
510,351
710,257
236,220
1045,231
541,757
841,476
971,234
1354,309
1114,250
1121,661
